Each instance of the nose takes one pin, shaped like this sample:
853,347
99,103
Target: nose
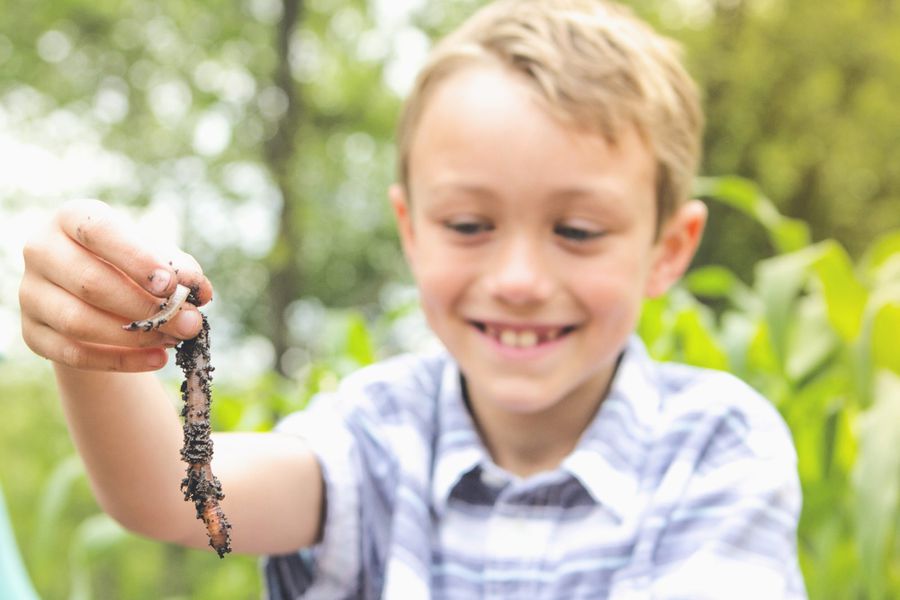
520,273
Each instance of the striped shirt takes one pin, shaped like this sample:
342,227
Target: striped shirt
683,486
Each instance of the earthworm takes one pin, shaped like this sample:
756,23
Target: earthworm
200,485
167,310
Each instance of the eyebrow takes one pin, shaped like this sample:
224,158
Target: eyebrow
574,192
451,187
603,194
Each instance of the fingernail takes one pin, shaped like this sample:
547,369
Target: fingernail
170,342
187,323
159,281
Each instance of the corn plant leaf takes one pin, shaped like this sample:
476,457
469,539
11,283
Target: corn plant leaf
883,250
714,281
359,343
786,234
698,341
651,325
876,479
95,534
736,334
778,283
54,501
885,333
810,340
845,295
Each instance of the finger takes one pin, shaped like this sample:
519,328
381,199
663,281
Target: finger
77,320
70,266
50,344
177,316
104,232
189,273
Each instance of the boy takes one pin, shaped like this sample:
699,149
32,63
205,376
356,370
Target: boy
546,156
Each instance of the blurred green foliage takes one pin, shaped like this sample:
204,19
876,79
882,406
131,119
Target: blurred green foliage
187,99
72,550
799,100
814,332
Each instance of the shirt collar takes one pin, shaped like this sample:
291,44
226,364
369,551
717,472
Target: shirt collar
609,457
458,447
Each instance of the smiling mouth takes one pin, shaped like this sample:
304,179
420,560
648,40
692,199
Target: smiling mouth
522,337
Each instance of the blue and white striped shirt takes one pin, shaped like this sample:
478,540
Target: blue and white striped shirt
683,486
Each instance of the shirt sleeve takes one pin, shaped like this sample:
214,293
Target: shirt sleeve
348,433
734,537
332,568
723,523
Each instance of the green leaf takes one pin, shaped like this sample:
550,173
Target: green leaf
95,535
821,399
876,479
652,325
737,332
779,282
876,347
787,235
886,337
810,341
883,250
359,342
54,500
712,281
845,296
761,354
698,342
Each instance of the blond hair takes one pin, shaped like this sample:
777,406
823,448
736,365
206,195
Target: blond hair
595,65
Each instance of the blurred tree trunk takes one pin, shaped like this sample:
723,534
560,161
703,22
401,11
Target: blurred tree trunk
284,261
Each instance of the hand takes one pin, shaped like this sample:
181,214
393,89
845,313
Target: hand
86,275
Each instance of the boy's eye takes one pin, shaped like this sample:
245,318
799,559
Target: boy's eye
576,234
467,227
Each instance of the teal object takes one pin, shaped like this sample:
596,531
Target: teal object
14,581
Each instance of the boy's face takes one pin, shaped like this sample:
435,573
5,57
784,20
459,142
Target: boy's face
532,244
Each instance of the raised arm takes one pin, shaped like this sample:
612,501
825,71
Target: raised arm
86,276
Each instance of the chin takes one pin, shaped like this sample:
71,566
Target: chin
521,399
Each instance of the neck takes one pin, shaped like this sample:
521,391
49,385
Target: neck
528,443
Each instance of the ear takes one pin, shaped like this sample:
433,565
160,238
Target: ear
400,204
675,247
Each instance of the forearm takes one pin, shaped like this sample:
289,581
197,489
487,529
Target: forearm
128,433
129,436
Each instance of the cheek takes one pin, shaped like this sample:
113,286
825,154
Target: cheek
614,293
439,284
440,301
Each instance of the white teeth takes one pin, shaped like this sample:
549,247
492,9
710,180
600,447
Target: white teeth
524,339
509,337
527,339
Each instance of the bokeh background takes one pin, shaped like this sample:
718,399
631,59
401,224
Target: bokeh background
257,134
